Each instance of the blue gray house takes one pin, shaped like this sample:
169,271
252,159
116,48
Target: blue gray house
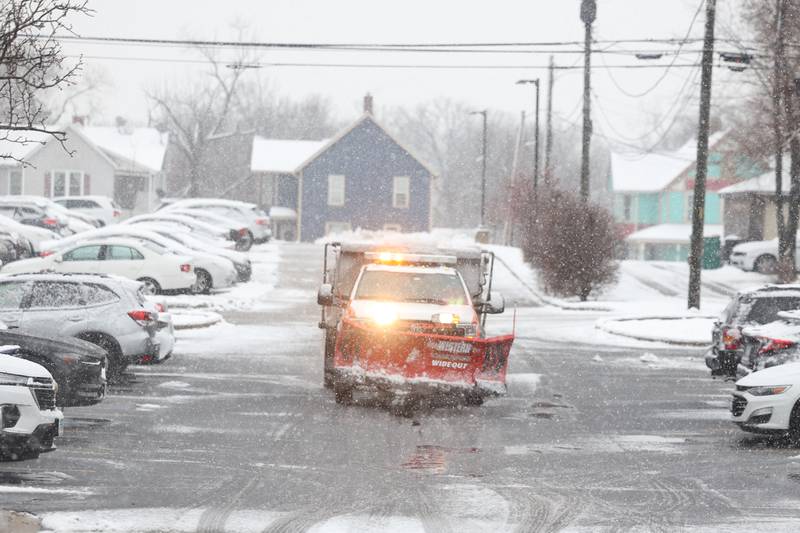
361,178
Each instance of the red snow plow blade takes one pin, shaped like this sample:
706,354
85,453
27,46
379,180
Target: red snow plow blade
368,355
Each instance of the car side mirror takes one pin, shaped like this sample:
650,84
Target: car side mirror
325,295
496,304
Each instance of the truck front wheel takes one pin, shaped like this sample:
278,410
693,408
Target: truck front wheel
343,393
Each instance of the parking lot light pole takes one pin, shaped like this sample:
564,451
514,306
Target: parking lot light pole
483,167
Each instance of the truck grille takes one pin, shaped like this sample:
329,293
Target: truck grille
738,405
45,393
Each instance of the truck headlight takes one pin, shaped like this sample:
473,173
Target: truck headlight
445,318
768,391
12,379
383,315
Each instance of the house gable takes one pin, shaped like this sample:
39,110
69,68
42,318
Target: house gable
369,158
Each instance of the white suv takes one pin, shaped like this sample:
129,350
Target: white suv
100,207
257,222
29,419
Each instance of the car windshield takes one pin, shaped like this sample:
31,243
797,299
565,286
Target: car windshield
435,288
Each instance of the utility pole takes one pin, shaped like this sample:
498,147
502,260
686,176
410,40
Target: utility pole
483,167
548,147
535,83
698,207
588,16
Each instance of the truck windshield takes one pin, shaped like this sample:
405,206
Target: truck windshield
436,288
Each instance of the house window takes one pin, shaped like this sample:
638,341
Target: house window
336,227
689,205
15,182
335,190
400,195
627,205
67,183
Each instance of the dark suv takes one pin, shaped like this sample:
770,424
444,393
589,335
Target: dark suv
752,307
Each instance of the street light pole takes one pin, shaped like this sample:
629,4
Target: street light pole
588,15
535,82
483,167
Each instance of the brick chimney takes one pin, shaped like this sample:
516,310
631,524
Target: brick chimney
368,103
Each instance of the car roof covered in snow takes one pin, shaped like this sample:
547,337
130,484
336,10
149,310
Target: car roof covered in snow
772,290
282,156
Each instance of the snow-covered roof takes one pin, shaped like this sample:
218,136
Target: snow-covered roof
18,145
672,233
140,146
763,184
653,171
282,156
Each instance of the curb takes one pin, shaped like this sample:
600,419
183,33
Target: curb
602,325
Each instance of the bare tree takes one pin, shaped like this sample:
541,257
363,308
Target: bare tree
199,110
31,62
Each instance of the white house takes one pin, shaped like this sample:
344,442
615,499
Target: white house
122,163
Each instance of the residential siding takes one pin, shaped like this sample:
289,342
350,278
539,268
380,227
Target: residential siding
676,202
52,156
713,210
369,159
648,209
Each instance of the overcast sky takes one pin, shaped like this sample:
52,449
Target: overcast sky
417,21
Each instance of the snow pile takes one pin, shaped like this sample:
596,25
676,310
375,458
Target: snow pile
253,295
194,319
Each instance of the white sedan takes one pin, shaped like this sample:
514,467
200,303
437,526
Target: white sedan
159,269
758,256
767,401
213,271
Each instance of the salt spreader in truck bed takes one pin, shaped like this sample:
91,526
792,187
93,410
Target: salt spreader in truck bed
404,320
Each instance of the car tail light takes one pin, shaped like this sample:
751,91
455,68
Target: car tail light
773,345
49,221
243,232
732,338
161,308
146,358
142,317
45,253
186,267
116,214
262,221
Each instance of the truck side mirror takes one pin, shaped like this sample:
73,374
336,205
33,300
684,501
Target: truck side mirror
496,305
325,295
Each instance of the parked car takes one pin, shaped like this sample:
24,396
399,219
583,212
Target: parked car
35,236
767,402
191,225
165,332
746,308
244,268
102,208
78,366
108,311
29,418
32,214
756,256
212,271
257,221
155,266
242,234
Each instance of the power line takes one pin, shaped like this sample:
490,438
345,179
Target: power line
666,71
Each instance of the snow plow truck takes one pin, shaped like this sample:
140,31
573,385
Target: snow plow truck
409,322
